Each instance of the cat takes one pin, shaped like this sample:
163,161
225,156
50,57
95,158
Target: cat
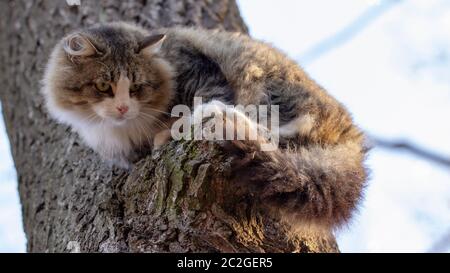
116,83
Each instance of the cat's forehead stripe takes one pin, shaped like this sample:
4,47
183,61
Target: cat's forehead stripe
122,85
116,43
112,37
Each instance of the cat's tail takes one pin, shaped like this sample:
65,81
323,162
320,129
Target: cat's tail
317,184
314,183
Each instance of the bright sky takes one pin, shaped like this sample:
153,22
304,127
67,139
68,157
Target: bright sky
391,71
12,237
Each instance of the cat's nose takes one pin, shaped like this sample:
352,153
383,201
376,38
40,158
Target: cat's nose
122,109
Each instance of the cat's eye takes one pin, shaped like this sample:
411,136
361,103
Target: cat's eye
134,88
102,86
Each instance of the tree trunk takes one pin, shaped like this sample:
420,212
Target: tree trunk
177,200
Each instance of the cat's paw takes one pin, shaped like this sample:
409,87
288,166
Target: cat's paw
209,120
221,122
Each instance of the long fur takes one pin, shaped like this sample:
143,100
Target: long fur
317,174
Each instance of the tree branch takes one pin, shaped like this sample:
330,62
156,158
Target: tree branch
348,32
413,149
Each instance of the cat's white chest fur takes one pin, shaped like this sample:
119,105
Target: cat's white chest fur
108,141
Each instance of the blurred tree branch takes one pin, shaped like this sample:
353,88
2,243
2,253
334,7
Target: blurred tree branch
348,32
413,149
442,244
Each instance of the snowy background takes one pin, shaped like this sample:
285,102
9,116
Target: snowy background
389,63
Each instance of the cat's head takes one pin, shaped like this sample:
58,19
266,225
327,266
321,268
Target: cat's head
107,74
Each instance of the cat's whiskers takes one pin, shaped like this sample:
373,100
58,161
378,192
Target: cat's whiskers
137,127
90,118
159,122
102,122
156,110
143,130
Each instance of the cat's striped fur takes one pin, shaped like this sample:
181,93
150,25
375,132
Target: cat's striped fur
318,172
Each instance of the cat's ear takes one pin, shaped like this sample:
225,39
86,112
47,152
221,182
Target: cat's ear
77,46
151,44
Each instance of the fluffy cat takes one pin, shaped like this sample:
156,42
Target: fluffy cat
115,83
110,88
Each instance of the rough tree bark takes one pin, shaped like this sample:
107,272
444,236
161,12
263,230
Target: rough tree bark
178,199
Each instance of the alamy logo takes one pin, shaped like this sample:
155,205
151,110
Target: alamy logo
73,2
217,121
